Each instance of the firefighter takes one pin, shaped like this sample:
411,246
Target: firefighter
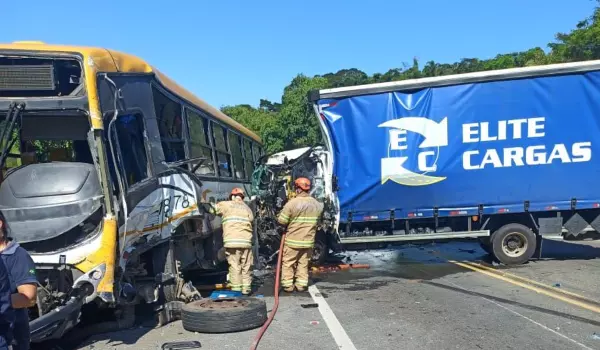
237,220
299,218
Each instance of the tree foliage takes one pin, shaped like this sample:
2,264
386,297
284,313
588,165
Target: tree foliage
292,123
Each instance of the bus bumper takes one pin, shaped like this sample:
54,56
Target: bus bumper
57,322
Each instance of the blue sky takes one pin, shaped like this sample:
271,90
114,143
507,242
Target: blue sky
234,51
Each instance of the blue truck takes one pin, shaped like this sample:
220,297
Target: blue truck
507,157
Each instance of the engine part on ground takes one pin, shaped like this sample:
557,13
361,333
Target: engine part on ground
180,345
265,326
169,312
224,315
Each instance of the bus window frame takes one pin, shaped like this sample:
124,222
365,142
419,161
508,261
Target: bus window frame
187,107
150,171
174,98
251,161
239,137
184,104
227,153
256,151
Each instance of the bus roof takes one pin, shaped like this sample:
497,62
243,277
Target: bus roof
106,60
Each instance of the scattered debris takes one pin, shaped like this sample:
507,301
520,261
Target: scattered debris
180,345
308,306
168,313
336,267
209,287
217,294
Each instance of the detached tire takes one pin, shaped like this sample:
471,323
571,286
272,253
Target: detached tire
513,244
224,316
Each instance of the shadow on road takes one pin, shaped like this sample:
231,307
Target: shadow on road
569,250
515,303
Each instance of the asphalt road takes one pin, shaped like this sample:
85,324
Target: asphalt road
433,296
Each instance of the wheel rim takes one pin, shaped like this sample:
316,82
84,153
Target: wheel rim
514,244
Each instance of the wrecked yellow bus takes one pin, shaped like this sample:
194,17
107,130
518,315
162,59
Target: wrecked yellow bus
106,164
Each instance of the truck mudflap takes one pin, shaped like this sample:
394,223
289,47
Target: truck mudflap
57,322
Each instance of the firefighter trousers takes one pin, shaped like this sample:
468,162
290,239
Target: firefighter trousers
240,261
294,269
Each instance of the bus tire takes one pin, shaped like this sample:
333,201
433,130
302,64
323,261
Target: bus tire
513,244
163,261
224,315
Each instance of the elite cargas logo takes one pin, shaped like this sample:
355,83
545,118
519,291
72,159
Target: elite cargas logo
483,146
410,167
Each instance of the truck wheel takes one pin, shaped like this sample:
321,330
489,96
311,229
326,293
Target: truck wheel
224,315
320,251
513,244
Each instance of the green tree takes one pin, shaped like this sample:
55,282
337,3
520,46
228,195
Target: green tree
263,122
297,116
582,43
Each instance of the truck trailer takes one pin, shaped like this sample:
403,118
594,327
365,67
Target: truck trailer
506,156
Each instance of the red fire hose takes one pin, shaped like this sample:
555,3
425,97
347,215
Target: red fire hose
263,329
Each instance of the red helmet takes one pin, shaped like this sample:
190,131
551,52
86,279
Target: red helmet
237,192
302,183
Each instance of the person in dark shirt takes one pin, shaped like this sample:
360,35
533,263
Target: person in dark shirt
23,284
7,313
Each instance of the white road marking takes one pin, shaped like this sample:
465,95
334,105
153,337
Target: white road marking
539,324
335,327
528,319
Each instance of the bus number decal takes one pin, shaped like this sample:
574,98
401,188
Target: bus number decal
169,205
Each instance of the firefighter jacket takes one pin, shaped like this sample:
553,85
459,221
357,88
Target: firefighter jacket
236,222
301,216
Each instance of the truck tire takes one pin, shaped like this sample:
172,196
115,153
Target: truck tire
224,315
320,251
513,244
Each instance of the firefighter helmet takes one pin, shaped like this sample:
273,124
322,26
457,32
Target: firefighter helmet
237,192
302,183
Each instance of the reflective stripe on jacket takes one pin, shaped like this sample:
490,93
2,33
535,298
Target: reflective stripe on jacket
301,216
237,223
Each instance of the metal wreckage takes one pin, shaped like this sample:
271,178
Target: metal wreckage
272,187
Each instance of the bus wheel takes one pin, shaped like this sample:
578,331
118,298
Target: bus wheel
513,244
163,261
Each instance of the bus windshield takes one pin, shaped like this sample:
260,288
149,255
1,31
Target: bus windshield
42,138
